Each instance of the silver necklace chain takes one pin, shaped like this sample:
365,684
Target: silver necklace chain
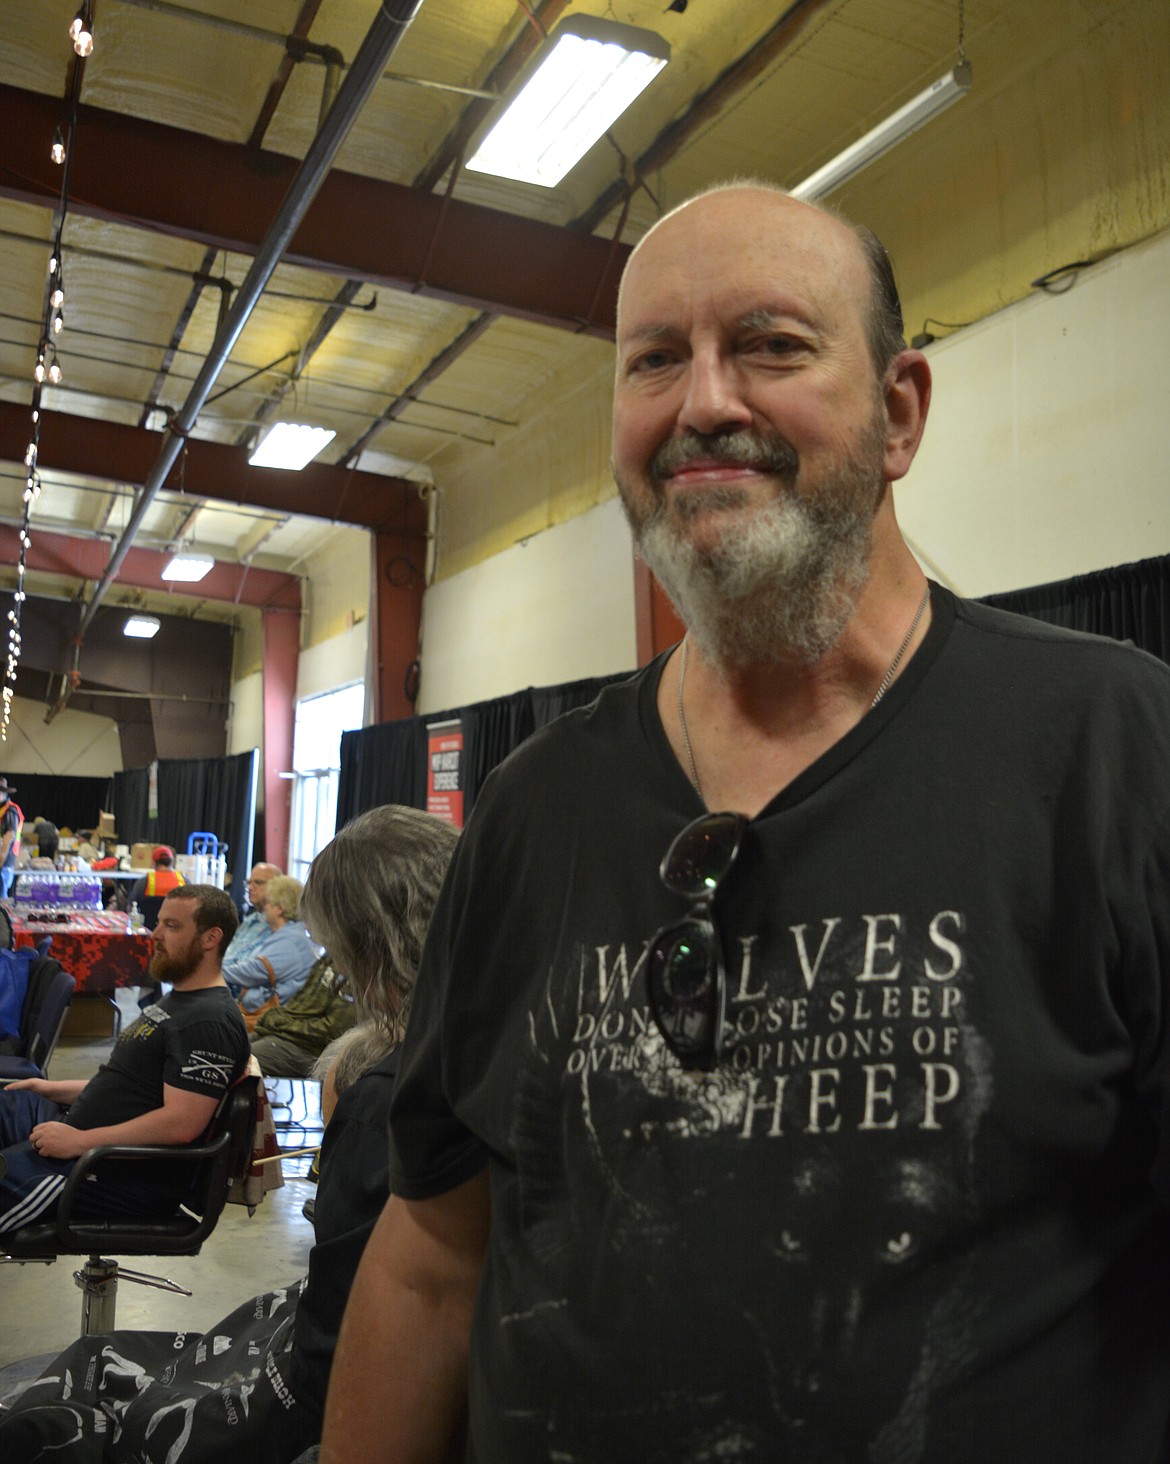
897,661
682,718
886,682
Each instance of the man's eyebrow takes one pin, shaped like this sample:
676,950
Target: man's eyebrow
645,333
764,317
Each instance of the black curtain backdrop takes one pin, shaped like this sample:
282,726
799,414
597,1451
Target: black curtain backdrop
205,795
69,802
388,763
491,729
131,800
1130,602
382,764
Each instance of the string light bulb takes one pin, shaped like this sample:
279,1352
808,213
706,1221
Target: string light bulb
57,298
55,370
57,151
39,368
58,322
81,31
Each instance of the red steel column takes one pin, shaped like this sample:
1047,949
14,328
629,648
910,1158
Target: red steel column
282,644
399,579
655,622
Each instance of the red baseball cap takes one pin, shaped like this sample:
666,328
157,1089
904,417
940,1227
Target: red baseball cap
162,851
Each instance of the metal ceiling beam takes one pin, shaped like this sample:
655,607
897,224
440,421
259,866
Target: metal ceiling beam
225,195
215,471
180,328
85,559
408,397
332,313
301,28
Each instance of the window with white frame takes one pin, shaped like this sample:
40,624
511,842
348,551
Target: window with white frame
320,721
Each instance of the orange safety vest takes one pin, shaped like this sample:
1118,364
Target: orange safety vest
163,881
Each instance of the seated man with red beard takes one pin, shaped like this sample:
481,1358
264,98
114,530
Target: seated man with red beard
164,1079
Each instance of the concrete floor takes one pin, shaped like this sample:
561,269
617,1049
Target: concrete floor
41,1305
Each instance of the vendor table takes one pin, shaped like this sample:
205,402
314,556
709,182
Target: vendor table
94,946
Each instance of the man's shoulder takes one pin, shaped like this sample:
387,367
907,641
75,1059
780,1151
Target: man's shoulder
1008,634
201,1003
606,724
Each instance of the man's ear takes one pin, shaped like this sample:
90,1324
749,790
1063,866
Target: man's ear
906,391
212,937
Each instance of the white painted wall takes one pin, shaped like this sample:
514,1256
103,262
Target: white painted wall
246,718
1045,452
79,744
556,608
1044,457
335,662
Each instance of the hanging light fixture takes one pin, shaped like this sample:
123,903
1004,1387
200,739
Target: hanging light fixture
141,627
590,72
57,151
188,568
81,30
896,128
290,445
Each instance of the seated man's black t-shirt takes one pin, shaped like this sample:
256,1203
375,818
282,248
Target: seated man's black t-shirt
195,1040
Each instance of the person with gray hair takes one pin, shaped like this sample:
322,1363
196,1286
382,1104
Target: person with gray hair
254,927
372,916
274,970
369,896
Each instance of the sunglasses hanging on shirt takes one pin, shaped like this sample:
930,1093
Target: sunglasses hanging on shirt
685,976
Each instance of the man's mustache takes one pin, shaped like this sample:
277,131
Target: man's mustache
742,449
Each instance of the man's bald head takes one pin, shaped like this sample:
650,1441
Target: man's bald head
258,882
883,311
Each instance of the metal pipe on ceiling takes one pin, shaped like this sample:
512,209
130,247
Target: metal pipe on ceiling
384,34
387,29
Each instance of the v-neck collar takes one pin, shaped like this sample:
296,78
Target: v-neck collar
846,748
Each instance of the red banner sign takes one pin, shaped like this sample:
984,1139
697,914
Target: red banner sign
445,771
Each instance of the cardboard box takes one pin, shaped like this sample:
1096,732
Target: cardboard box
90,1015
140,856
105,828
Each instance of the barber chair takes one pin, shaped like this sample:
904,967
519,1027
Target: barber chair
224,1153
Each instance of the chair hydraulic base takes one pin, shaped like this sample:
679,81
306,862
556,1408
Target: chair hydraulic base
98,1282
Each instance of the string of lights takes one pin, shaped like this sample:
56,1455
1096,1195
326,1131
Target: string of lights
48,367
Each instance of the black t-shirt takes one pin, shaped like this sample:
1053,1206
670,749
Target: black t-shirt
194,1040
919,1212
351,1193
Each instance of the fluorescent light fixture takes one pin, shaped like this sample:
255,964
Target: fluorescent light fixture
935,99
290,445
590,72
189,568
141,627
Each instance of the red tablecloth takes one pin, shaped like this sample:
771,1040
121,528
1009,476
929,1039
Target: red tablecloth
94,946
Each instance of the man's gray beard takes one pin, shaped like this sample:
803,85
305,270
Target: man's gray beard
781,586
